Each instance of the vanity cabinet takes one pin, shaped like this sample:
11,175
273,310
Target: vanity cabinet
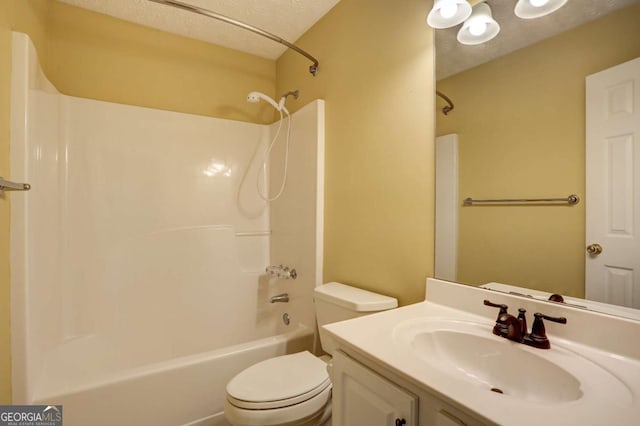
362,396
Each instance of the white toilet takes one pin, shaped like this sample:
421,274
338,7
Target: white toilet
295,389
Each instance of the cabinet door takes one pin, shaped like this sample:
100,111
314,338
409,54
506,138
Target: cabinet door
362,397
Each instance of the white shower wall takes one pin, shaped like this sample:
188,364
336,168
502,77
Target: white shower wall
143,238
297,216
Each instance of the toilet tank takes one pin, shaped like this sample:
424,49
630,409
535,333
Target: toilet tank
338,302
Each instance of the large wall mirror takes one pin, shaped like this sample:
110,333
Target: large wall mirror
519,117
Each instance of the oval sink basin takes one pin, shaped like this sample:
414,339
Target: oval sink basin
468,351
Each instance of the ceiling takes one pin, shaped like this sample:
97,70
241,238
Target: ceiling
515,33
288,19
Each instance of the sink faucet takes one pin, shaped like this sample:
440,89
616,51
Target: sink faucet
507,325
515,329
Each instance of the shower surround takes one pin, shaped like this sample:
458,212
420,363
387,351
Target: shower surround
138,256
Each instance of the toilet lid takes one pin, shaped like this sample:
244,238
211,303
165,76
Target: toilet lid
280,381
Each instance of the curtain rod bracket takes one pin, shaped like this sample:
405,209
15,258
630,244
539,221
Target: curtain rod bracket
7,185
313,69
447,108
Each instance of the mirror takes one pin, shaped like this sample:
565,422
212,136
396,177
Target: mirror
519,118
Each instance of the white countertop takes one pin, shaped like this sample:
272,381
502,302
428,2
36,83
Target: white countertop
604,401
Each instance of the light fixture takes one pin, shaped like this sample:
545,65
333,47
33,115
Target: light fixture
530,9
448,13
480,27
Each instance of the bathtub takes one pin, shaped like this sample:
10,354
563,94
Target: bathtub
184,391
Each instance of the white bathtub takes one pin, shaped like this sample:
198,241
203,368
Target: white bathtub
183,391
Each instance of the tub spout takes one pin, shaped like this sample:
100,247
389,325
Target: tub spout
282,298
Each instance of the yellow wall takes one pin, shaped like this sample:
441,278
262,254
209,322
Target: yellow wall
96,56
520,120
26,16
376,75
90,55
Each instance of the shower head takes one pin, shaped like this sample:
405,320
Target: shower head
255,97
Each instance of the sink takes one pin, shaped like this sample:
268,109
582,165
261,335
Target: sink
469,352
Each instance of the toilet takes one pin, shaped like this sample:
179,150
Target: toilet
296,389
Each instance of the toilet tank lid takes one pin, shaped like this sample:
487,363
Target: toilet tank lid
354,298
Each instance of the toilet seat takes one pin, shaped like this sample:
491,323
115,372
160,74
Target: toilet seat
279,403
279,382
286,390
314,411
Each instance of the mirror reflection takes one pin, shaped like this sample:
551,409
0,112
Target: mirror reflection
521,129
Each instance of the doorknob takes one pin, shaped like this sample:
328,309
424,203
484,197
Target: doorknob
594,249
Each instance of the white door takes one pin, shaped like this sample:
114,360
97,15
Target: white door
613,185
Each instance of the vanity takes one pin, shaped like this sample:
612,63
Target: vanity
439,362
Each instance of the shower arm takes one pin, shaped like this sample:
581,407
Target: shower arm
313,69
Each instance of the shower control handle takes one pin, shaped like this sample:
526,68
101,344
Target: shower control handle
283,272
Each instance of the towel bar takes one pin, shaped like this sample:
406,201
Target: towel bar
571,200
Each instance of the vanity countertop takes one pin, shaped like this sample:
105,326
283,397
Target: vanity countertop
609,382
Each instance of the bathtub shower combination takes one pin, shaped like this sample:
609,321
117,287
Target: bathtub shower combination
138,256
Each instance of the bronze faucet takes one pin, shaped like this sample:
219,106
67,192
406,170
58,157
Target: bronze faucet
515,329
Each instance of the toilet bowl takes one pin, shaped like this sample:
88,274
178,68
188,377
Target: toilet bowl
286,390
295,390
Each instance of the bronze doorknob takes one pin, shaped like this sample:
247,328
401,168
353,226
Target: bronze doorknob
594,249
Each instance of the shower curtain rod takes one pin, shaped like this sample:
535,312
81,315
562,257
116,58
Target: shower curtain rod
313,69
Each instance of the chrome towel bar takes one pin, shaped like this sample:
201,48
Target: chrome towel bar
571,200
6,185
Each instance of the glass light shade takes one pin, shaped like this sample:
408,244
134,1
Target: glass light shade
448,13
538,3
480,27
531,9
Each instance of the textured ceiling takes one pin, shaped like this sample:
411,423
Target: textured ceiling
515,33
288,19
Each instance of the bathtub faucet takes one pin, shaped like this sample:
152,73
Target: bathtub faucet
283,272
282,298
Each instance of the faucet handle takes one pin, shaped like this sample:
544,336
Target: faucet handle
538,337
561,320
501,328
502,306
555,297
